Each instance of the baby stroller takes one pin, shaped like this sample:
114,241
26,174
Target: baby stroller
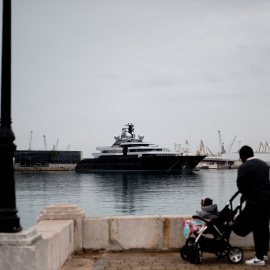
220,230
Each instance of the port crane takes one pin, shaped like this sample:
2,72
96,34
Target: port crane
211,153
30,143
45,142
266,146
229,150
262,148
56,145
202,150
223,151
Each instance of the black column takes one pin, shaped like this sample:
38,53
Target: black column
9,221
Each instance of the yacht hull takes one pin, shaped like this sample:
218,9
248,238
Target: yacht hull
144,163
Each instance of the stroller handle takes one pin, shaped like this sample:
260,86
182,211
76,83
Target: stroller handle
234,196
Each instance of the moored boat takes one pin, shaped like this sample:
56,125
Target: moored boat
133,154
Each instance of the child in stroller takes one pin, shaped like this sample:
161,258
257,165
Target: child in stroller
209,212
220,229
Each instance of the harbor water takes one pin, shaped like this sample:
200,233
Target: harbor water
118,194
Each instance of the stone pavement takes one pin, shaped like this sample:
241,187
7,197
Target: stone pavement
153,261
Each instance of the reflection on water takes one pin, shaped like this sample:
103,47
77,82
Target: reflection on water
111,194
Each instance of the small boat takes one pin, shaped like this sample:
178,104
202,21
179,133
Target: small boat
133,154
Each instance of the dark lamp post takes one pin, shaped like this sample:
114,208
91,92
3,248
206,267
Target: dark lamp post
9,221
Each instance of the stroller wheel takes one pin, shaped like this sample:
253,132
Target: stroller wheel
184,252
235,255
196,256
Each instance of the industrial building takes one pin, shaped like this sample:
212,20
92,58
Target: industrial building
30,158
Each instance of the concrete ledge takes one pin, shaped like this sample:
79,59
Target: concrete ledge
24,238
25,250
123,233
59,235
134,232
244,242
66,212
96,233
50,243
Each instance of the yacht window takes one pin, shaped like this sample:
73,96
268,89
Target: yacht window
111,151
160,155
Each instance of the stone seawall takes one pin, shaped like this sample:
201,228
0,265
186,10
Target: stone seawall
44,246
63,230
123,233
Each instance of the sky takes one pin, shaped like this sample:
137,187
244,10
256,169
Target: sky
177,69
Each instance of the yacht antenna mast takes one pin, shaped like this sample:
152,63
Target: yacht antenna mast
130,128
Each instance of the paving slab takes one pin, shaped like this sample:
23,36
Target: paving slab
153,261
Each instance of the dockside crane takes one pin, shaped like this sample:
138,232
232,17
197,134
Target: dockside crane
45,144
211,153
30,143
263,148
260,146
201,151
68,147
56,145
266,146
222,150
229,150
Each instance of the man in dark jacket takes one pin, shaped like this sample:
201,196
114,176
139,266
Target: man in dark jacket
253,183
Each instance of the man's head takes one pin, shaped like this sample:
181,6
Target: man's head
245,153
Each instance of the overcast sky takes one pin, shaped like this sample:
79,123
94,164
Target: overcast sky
177,70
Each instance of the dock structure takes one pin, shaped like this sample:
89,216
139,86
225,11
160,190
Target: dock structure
46,160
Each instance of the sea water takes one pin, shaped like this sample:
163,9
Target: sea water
119,194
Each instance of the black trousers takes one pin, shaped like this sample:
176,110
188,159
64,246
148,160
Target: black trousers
258,219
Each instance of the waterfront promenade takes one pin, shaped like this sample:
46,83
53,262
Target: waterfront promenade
152,261
63,238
